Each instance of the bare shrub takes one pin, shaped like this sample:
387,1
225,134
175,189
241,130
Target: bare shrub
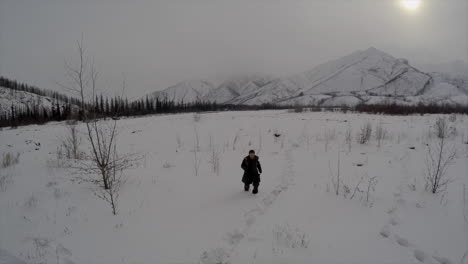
348,137
441,128
196,117
42,247
5,180
413,186
60,160
365,133
10,159
215,160
346,190
465,203
400,137
362,193
356,189
305,137
286,236
259,142
452,118
179,142
211,142
371,184
335,177
197,139
298,109
72,141
440,155
329,135
217,255
59,153
167,165
380,133
196,162
196,149
31,202
234,142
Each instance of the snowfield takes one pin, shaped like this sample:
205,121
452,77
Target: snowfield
167,214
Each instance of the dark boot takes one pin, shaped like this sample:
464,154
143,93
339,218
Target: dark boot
246,187
255,189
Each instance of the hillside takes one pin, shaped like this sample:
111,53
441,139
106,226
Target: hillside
23,100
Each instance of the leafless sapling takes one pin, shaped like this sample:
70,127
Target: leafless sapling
440,155
100,134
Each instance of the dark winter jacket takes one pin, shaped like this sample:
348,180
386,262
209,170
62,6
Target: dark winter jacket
251,168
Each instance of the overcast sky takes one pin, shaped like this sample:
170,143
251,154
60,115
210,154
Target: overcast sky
155,44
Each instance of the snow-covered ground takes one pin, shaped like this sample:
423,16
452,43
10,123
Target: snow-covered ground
167,214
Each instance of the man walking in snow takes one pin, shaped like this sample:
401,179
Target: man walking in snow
252,170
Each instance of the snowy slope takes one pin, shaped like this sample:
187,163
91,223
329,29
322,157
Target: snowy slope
236,86
21,99
447,89
169,215
187,91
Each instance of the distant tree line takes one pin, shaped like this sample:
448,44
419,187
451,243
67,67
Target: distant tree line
61,106
395,109
35,114
64,107
118,106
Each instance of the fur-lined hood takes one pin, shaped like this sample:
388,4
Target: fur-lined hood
255,158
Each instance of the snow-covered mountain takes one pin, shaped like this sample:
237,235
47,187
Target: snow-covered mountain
187,91
370,72
204,90
369,76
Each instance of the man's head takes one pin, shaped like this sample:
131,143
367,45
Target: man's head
252,154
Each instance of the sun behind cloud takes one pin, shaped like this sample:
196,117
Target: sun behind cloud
411,5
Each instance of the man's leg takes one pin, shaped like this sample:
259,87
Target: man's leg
246,187
255,189
255,183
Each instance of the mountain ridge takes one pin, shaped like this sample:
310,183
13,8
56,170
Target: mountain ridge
364,76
